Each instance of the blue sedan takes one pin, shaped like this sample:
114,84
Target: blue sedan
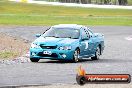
67,42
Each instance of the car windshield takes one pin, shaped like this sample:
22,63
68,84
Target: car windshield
62,33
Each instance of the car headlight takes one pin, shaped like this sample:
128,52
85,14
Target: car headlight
65,48
33,45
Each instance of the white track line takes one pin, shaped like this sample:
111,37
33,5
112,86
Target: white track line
129,38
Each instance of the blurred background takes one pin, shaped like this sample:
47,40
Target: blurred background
107,2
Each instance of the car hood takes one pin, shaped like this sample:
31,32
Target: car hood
52,41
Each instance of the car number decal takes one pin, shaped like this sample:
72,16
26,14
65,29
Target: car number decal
86,43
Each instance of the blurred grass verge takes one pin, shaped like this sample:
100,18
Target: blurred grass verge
13,13
8,54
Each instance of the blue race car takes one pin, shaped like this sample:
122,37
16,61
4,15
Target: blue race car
67,42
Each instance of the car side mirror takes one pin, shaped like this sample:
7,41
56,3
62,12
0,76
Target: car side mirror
38,35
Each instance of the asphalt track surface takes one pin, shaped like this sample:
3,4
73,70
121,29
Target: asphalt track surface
116,59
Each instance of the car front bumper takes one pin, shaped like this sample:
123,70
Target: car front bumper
55,54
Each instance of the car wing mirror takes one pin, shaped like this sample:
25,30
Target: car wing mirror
38,35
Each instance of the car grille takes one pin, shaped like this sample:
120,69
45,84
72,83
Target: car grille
46,55
48,47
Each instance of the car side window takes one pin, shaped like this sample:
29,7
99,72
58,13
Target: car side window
89,31
85,33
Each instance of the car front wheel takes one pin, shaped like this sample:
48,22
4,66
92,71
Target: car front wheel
34,60
97,54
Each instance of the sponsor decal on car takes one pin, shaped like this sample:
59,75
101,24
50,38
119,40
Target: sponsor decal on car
47,52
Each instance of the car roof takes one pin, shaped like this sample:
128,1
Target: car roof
73,26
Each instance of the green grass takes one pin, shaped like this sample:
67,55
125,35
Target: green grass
7,54
12,13
129,2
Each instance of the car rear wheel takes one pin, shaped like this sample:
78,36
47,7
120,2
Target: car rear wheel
34,60
76,56
97,54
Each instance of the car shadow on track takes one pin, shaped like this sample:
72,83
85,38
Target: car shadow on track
89,61
64,62
109,60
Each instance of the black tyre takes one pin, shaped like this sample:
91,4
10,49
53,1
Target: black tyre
76,56
34,60
97,54
80,80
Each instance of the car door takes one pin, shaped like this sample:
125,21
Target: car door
86,43
91,42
